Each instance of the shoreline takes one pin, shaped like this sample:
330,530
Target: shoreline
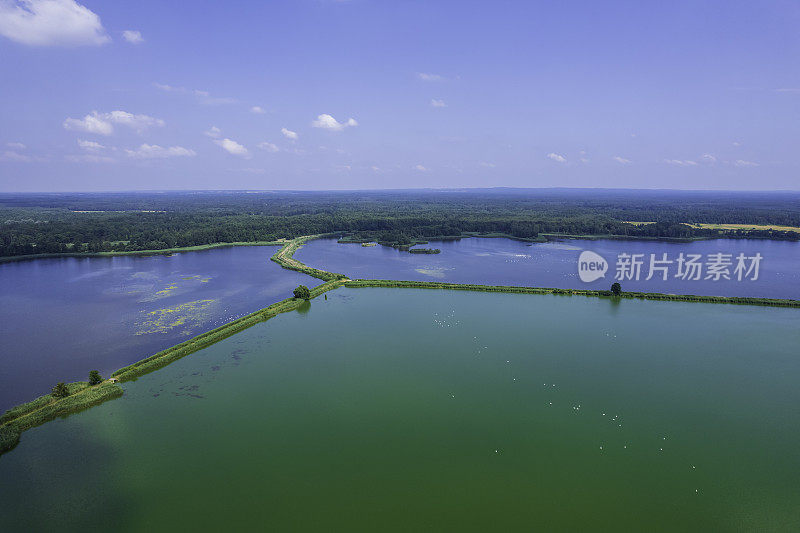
290,264
165,251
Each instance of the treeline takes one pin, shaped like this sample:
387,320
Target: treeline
58,223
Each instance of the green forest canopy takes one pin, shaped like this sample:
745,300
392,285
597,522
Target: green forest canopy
33,223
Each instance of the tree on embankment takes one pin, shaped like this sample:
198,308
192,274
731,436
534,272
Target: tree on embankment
95,378
60,390
302,292
616,289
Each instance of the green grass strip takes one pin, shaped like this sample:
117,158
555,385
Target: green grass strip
770,302
284,257
46,408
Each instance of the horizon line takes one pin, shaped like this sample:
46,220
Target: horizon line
412,189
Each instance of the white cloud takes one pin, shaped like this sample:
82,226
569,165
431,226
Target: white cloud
743,163
90,146
136,122
420,168
132,36
154,151
486,164
213,132
168,88
681,162
583,157
90,158
375,169
622,160
50,23
430,77
205,98
437,102
289,134
101,123
269,147
250,170
15,155
557,157
232,147
90,124
327,122
10,155
708,158
258,110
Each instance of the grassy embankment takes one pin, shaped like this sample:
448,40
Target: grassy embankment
46,408
570,292
164,251
284,257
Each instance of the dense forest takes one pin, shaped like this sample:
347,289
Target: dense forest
95,222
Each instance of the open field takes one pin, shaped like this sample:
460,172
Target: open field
757,227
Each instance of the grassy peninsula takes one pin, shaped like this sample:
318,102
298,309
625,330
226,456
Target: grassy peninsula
284,257
45,408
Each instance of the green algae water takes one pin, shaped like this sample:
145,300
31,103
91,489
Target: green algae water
415,410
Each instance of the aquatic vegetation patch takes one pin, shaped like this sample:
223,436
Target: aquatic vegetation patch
434,272
186,314
160,294
174,287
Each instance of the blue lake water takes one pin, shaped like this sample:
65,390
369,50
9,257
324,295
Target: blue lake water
555,264
60,318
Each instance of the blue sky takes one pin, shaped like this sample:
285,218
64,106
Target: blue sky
314,94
